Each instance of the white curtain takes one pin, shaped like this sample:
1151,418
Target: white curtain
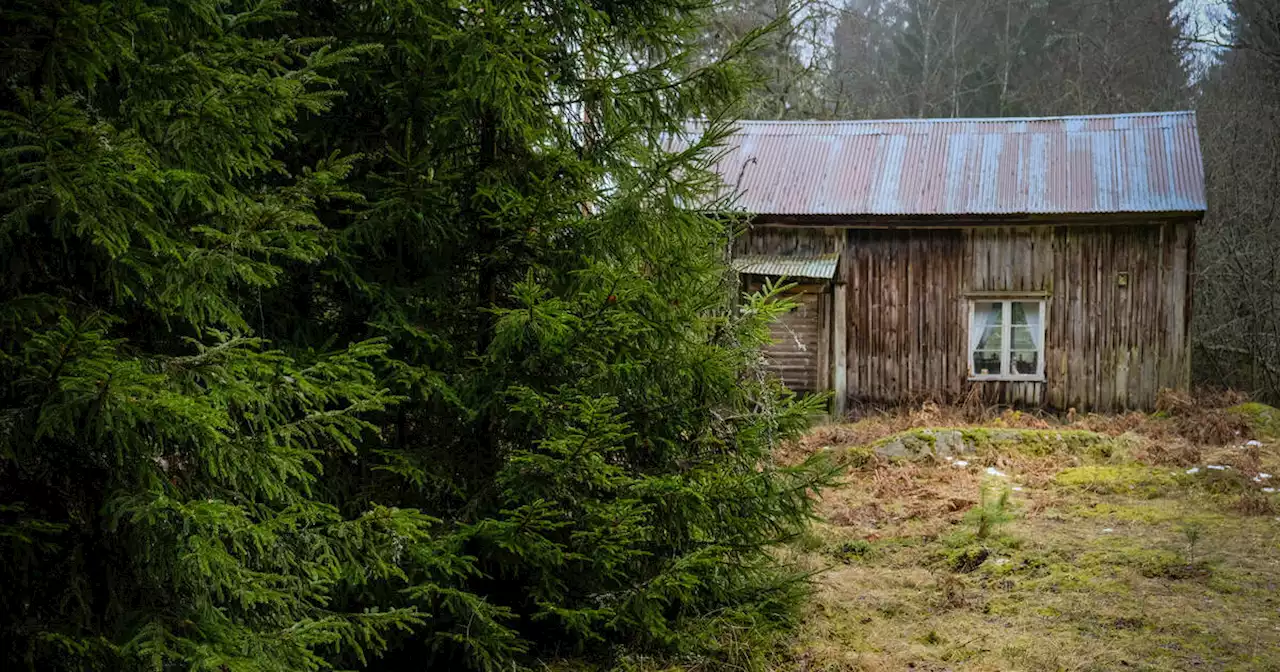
1033,322
984,315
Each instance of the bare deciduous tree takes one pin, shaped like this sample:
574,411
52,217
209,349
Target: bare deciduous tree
1237,320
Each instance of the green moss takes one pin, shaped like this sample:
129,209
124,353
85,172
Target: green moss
931,638
1039,442
1063,577
964,552
1150,563
809,541
967,559
1128,479
1223,481
1227,582
1140,513
1020,566
853,550
1264,420
1003,605
891,609
859,456
987,441
1155,564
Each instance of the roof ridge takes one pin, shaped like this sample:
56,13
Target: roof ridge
959,120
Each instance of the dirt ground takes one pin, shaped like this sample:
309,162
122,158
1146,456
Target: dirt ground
1137,542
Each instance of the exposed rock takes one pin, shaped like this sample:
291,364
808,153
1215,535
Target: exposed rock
946,443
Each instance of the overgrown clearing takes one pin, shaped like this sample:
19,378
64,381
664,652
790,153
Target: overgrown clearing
1123,544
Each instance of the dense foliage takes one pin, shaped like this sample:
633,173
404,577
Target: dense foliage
368,334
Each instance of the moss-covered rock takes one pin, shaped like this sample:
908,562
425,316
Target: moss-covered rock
1043,442
944,442
1264,420
915,443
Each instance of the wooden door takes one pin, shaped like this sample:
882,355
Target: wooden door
798,354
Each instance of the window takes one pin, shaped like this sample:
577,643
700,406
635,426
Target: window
1006,339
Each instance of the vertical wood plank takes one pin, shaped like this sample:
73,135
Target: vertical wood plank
824,339
1077,375
1188,302
839,385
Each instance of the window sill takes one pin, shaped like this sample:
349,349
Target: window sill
1007,379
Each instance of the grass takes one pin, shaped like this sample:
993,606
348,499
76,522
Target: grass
1077,558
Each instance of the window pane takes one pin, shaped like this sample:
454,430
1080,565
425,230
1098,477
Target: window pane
984,331
986,362
1025,313
991,339
988,313
1019,310
985,337
1022,338
1026,348
1025,362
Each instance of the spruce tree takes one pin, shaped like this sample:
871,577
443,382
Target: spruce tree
378,335
583,408
158,460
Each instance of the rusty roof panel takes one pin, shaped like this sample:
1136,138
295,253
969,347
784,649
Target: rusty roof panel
821,267
1146,162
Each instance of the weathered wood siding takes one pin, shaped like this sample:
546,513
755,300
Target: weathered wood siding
800,241
800,352
1107,346
905,314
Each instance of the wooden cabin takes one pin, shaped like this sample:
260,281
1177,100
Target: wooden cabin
1035,262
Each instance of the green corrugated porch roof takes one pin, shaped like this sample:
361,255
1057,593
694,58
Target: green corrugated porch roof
821,267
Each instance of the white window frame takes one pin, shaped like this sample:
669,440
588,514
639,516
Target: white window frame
1006,340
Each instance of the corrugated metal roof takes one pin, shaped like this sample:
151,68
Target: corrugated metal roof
1085,164
822,268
